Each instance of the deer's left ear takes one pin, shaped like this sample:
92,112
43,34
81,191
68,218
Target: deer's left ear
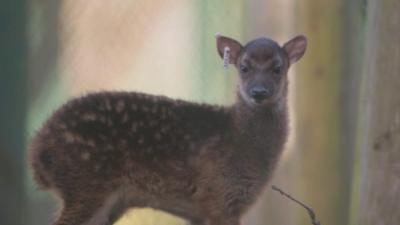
295,48
234,48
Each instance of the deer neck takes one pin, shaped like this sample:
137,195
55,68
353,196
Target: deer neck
261,130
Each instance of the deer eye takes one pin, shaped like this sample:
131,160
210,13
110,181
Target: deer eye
244,69
278,69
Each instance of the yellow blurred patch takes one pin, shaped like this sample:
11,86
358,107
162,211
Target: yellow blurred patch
148,216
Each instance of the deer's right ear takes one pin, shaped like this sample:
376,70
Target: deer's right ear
234,48
295,48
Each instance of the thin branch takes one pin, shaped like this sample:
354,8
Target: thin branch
310,211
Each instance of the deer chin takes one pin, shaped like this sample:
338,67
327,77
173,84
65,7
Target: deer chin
264,102
251,102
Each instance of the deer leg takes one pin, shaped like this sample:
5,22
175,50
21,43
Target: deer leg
77,214
98,210
223,221
197,222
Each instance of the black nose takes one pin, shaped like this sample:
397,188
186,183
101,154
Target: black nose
259,93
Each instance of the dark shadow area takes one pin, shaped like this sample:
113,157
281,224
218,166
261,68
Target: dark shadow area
13,72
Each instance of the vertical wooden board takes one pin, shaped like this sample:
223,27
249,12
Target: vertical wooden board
318,111
380,169
353,112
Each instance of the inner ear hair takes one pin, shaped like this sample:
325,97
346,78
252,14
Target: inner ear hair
295,48
234,48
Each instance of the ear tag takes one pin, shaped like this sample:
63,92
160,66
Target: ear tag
226,57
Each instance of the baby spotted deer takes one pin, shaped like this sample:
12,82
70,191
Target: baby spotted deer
106,152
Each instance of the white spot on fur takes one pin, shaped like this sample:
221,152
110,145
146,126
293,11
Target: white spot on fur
164,129
145,109
169,112
153,123
134,127
101,107
140,140
110,122
89,116
102,137
109,147
154,109
164,113
123,143
120,106
103,119
157,136
124,118
62,126
85,156
90,143
108,104
52,142
69,137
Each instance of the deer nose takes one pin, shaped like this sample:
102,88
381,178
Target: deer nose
259,93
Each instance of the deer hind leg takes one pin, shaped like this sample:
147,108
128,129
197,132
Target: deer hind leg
92,211
197,222
223,221
75,214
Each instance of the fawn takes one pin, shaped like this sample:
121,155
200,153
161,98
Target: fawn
109,151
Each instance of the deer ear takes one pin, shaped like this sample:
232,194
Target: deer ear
295,48
234,48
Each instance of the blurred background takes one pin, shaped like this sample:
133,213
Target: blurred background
343,157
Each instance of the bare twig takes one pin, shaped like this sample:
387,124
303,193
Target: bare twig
310,211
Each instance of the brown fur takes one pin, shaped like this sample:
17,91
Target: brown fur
109,151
